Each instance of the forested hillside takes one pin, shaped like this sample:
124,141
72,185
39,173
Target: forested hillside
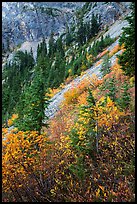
85,152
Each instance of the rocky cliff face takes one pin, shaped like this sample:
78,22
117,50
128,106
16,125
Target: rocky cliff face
30,21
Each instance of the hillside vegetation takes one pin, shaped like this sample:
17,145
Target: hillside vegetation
86,152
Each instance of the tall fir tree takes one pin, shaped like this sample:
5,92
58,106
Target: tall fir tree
52,45
127,59
124,100
84,137
94,25
31,113
15,77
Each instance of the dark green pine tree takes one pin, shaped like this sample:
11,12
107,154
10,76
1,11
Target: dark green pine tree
25,62
90,139
112,89
31,52
59,46
127,59
88,146
94,25
15,76
57,71
81,35
52,45
31,112
3,48
5,102
88,30
68,39
42,49
124,100
38,51
101,43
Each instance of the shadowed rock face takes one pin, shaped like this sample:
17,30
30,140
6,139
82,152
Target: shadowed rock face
30,21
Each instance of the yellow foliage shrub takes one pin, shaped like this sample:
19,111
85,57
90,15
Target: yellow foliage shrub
82,98
70,71
89,57
132,81
108,114
71,96
123,47
83,67
82,73
21,158
11,120
52,92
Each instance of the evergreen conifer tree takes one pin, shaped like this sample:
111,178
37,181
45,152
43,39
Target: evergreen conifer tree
32,115
125,98
86,143
112,89
94,24
52,46
127,59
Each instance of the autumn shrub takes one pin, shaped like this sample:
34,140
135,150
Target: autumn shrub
71,96
120,148
100,55
24,166
62,122
132,81
12,119
85,178
86,155
114,50
83,67
95,81
52,92
82,98
82,73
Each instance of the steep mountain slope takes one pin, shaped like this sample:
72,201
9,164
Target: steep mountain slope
80,12
114,31
95,69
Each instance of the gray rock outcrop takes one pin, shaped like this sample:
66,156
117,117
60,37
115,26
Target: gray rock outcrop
30,21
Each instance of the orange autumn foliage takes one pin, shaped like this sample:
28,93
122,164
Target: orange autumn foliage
100,55
30,160
109,114
12,119
114,50
82,98
99,62
23,154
